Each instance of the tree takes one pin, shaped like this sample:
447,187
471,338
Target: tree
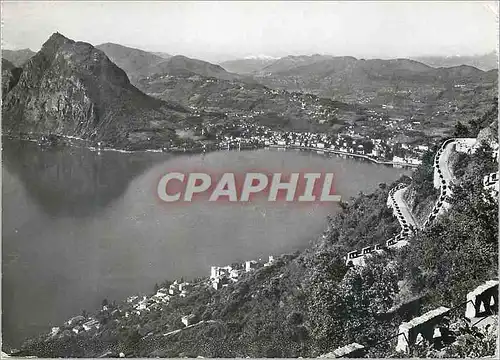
423,183
489,117
346,311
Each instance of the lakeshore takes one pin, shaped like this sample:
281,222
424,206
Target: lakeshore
348,154
68,140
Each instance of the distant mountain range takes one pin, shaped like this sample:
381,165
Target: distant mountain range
348,78
202,85
17,57
258,64
182,65
292,62
343,78
352,68
72,88
138,63
260,57
484,62
134,62
247,66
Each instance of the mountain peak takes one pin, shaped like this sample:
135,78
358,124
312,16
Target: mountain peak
54,42
57,37
72,88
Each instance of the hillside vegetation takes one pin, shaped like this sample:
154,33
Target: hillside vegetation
309,303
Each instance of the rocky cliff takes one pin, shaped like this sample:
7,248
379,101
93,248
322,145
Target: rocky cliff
10,76
71,88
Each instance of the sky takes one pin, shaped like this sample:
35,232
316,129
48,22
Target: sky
217,31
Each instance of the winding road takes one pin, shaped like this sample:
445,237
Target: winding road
442,170
406,221
403,208
443,180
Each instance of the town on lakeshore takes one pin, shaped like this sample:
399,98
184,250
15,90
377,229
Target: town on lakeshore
220,277
251,136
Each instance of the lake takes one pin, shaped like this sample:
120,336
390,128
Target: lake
78,226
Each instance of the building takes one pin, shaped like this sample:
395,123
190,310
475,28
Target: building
235,274
220,282
141,305
78,329
413,161
161,297
162,292
91,324
216,284
185,287
270,261
466,145
132,298
218,271
75,320
188,319
173,288
214,272
490,184
252,265
398,160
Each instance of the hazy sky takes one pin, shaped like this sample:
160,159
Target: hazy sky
219,30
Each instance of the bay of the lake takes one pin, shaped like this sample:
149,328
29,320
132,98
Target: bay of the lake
78,226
